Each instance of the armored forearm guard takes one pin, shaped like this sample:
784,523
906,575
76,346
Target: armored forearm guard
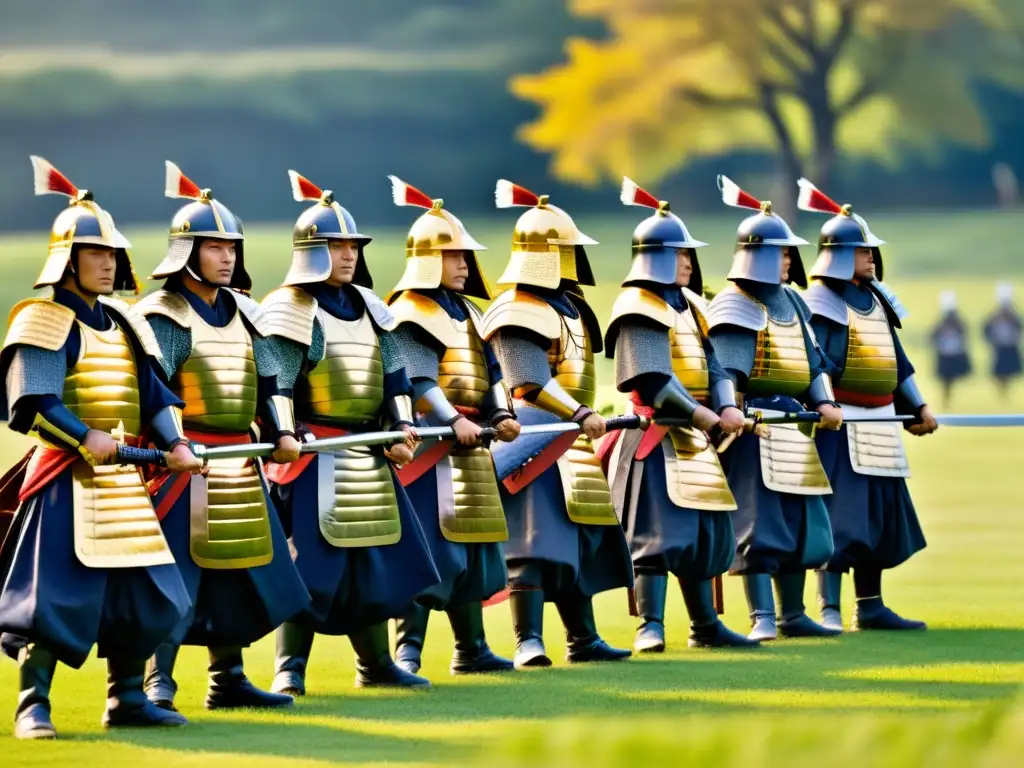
399,411
911,393
167,427
281,414
553,399
674,396
723,395
820,390
434,402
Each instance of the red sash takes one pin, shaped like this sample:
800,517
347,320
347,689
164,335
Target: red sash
428,458
863,401
180,480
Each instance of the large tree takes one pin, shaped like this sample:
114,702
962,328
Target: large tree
806,79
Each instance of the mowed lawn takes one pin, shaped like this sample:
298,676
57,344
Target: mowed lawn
945,697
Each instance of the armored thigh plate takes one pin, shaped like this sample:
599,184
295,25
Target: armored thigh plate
790,461
230,523
876,449
114,524
468,501
588,500
356,499
693,473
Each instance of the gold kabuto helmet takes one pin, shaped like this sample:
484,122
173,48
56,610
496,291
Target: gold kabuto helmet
322,222
433,233
547,246
83,222
199,219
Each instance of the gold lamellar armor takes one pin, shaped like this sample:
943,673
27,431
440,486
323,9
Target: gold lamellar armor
546,243
870,354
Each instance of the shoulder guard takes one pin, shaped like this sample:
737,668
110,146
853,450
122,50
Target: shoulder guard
890,302
519,309
39,323
731,306
476,315
289,312
639,301
699,305
171,305
380,313
427,314
136,323
589,319
251,311
824,302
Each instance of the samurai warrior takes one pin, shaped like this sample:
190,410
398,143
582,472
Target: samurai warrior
855,319
1003,333
565,542
85,562
760,333
456,382
223,528
668,484
950,341
353,532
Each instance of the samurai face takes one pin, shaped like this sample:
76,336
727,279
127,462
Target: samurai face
344,259
454,270
216,261
787,260
94,268
864,264
684,266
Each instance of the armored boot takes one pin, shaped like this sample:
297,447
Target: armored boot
374,667
528,623
650,590
795,621
871,612
32,716
160,686
472,654
231,689
294,644
584,644
758,587
706,629
411,634
830,587
127,703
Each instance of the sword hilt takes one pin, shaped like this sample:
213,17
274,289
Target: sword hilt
129,454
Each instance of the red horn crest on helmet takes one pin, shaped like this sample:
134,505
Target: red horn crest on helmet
633,194
177,184
813,199
303,188
49,181
406,194
736,197
507,195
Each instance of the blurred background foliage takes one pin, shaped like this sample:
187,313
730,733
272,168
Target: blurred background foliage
346,92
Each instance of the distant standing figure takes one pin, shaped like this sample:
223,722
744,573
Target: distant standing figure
950,341
1003,333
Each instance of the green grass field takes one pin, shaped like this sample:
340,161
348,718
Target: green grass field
946,697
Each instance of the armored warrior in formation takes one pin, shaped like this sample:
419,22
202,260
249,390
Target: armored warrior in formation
855,318
222,528
760,333
668,485
1003,333
565,542
354,535
85,562
949,338
456,382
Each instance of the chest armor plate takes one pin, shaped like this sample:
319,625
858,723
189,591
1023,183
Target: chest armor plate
468,501
693,473
230,523
462,372
102,388
218,381
571,358
689,362
780,366
870,354
790,461
347,386
876,450
356,500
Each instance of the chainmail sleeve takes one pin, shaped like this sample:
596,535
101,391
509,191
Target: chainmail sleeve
522,360
392,353
318,346
421,359
734,348
265,353
175,343
35,371
290,358
641,348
